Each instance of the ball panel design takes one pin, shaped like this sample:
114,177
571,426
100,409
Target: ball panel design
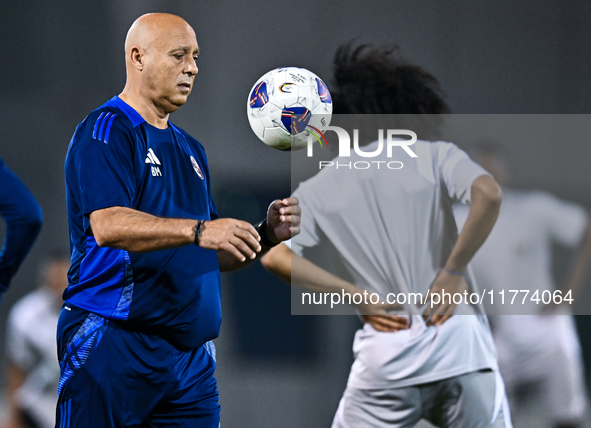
258,96
323,93
295,119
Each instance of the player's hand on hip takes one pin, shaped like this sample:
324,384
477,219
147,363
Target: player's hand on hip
283,218
386,323
376,314
440,303
236,237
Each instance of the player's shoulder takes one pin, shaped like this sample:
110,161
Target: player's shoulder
537,203
538,198
443,149
543,201
435,155
114,116
319,187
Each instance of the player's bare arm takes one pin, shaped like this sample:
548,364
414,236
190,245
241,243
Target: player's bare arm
296,270
580,269
132,230
282,222
484,210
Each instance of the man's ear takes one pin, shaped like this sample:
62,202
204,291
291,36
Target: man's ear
137,58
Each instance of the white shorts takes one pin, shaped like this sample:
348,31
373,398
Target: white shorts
541,354
472,400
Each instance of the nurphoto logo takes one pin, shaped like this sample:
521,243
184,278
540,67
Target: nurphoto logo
394,138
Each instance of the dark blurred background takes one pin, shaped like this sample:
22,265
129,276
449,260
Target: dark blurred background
62,59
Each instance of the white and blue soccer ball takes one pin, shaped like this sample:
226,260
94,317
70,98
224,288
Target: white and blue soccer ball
288,104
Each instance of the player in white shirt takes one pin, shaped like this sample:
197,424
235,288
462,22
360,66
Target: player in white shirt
538,346
33,371
394,231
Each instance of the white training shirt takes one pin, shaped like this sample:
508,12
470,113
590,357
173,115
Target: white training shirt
518,252
518,256
31,344
392,231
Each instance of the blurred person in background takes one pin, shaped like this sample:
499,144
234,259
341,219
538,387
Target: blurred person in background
23,218
33,371
395,233
538,347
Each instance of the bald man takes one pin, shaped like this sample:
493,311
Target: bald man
143,300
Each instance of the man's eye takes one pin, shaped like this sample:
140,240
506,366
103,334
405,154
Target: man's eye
179,56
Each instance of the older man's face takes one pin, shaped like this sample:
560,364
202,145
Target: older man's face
170,67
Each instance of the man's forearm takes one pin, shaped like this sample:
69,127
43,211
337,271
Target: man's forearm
17,243
131,230
23,218
303,273
580,268
486,203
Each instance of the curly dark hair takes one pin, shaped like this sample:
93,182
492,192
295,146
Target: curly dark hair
376,88
373,80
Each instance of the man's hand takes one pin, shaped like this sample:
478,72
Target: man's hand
452,284
283,218
236,237
377,316
386,323
283,221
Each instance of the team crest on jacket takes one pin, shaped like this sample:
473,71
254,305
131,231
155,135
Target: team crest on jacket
196,168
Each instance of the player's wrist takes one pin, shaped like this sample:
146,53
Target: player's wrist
197,231
267,235
455,271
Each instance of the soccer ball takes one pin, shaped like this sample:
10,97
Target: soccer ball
286,105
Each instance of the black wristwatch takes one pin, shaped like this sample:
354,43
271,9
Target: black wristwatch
197,230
